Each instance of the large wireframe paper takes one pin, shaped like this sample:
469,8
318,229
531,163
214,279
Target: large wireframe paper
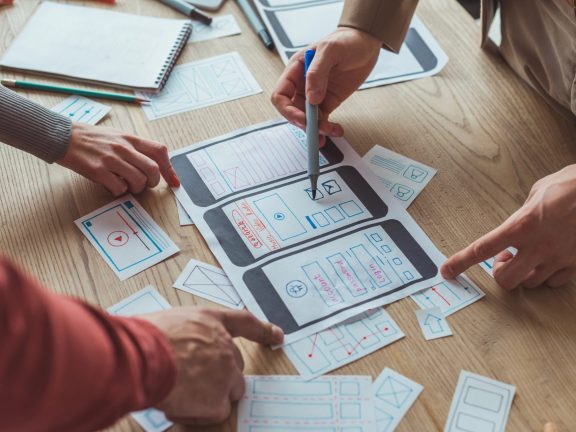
296,25
303,264
202,83
209,282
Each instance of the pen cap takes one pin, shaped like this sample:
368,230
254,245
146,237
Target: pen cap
308,57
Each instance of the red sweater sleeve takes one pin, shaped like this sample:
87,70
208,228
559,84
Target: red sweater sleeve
66,366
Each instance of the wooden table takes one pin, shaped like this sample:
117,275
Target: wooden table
487,133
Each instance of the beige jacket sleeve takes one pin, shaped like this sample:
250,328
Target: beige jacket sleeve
387,20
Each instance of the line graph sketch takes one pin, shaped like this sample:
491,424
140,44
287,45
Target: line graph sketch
203,83
343,343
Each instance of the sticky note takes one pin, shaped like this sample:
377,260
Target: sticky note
488,265
404,177
343,343
147,300
209,282
433,323
221,26
450,295
288,403
394,394
126,237
480,404
82,110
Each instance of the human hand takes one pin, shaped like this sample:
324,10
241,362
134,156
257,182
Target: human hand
342,62
544,232
208,364
120,162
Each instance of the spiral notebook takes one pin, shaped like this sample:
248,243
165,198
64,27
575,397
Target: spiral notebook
98,46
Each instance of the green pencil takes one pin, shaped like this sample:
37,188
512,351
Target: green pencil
75,91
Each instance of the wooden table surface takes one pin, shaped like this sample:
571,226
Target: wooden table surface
487,133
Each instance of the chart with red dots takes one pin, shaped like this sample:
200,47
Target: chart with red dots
126,237
335,403
344,343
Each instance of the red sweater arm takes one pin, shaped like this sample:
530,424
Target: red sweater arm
65,365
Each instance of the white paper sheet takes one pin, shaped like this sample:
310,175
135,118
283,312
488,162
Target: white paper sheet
449,295
126,237
404,177
480,404
183,217
147,300
433,323
82,110
96,45
221,26
209,282
488,265
280,403
202,83
344,343
305,265
295,25
394,394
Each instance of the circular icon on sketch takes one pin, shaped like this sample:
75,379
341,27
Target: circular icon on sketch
279,216
296,289
117,238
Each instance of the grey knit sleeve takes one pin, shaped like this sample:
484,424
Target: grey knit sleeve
32,128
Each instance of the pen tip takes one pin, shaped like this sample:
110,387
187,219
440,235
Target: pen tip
313,194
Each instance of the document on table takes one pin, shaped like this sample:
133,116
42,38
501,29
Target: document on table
344,343
394,394
221,26
433,323
288,403
183,217
488,265
479,404
450,295
302,264
82,110
209,282
126,237
147,300
200,84
296,24
404,177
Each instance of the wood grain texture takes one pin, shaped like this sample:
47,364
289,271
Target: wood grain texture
488,134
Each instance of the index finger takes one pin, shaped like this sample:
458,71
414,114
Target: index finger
289,86
485,247
244,324
159,154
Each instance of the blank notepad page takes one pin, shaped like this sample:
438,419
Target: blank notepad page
97,45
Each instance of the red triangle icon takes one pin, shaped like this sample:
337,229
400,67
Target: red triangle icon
118,239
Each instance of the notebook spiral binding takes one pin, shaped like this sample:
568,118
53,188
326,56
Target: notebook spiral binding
173,56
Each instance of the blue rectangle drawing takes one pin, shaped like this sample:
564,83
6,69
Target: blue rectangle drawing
320,219
279,217
335,214
351,208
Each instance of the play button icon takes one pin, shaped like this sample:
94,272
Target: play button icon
117,238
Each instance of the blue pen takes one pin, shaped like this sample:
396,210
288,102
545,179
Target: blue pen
312,132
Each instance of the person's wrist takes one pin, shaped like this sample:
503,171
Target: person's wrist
363,35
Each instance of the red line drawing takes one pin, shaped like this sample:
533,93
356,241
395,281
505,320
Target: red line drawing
132,229
354,348
441,296
313,346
